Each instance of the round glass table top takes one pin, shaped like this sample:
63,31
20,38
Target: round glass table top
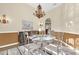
41,37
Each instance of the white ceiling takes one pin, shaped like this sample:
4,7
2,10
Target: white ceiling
45,6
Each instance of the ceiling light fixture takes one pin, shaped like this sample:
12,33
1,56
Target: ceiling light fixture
39,12
3,19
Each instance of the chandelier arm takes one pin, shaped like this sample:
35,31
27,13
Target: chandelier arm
39,12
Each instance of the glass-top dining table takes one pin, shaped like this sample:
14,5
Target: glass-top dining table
39,41
48,45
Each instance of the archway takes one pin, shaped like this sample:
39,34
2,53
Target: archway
48,26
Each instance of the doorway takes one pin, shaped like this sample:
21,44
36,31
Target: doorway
48,26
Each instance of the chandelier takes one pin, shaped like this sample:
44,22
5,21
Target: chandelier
3,19
39,12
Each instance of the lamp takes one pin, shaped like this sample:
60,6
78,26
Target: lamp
39,12
3,19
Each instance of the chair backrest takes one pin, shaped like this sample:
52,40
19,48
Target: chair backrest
22,38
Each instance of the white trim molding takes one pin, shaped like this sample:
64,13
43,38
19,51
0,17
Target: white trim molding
3,46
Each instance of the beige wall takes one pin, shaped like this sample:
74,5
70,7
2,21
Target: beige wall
17,12
60,16
70,19
65,18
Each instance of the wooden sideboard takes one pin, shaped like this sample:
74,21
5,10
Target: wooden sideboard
73,39
8,40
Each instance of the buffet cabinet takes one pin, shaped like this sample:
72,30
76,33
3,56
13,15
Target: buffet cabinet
8,40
